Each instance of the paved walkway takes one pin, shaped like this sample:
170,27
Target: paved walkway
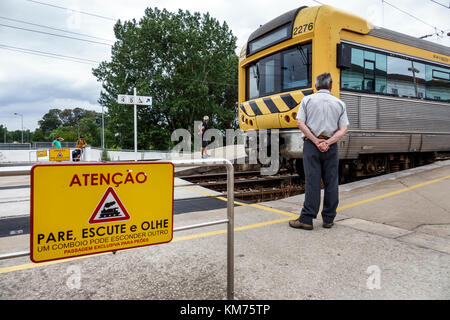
391,241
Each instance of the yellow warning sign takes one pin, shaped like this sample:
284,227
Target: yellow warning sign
41,153
59,154
80,209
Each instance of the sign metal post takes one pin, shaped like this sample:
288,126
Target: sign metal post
135,127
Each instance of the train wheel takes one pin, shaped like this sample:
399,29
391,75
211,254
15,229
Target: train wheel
344,172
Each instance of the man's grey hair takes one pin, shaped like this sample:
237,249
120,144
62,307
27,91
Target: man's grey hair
323,81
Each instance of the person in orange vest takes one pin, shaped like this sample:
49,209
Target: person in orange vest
81,144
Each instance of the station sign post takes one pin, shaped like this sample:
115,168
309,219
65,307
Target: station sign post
82,209
134,100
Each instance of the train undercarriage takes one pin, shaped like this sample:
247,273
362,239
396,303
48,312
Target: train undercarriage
361,155
370,165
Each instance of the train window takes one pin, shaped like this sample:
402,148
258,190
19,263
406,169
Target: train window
369,75
369,69
437,83
283,71
376,72
253,81
405,78
270,39
297,68
352,78
263,77
418,71
369,55
268,74
442,75
367,72
380,73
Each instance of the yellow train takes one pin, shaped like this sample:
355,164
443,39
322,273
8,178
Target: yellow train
396,87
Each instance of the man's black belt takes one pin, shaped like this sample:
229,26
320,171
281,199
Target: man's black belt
320,137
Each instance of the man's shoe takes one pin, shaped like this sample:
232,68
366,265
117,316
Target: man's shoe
328,225
300,225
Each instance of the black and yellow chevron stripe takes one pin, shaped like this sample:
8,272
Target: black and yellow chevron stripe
273,104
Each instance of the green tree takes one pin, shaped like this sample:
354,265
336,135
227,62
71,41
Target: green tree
15,136
70,124
67,133
186,62
50,121
90,131
3,133
72,117
38,136
68,118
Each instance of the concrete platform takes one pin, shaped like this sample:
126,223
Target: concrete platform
391,240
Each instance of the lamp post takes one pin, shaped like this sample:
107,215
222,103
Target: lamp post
103,130
28,134
21,116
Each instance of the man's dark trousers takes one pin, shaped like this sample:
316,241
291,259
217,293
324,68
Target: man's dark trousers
320,165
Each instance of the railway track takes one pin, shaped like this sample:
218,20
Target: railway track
251,186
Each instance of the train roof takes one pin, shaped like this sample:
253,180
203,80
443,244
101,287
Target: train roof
288,17
402,38
378,32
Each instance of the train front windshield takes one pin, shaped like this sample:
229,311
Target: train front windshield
283,71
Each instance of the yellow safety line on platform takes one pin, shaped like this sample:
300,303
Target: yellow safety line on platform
393,193
213,233
189,237
36,265
251,226
254,205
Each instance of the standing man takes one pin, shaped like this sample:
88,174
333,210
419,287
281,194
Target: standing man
57,142
204,142
323,121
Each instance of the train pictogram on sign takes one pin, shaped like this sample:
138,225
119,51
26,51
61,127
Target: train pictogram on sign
109,209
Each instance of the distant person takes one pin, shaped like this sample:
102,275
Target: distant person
323,120
81,143
79,149
76,154
204,142
57,142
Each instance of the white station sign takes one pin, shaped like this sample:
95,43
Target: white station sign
130,99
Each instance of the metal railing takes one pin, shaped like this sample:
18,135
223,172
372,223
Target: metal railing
230,213
48,145
15,146
229,220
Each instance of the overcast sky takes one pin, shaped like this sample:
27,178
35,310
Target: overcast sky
32,84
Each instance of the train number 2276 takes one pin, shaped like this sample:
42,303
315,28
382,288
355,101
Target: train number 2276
303,28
